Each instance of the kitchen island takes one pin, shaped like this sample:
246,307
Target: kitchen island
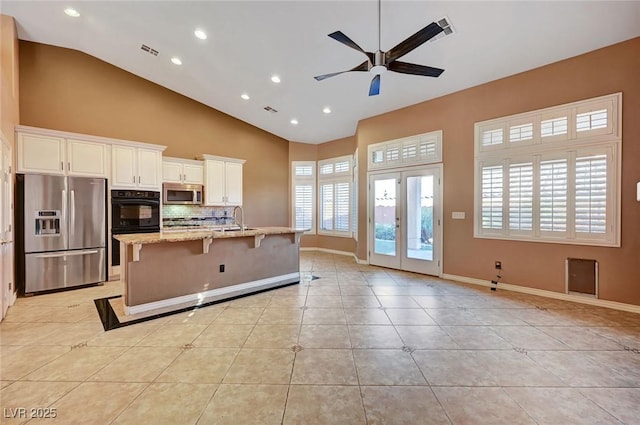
189,268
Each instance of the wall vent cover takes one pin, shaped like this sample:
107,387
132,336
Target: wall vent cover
582,276
149,50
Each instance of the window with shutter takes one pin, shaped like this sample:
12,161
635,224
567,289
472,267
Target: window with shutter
492,137
553,127
492,178
553,195
591,194
519,133
326,207
354,197
521,196
567,191
420,149
591,120
303,195
335,200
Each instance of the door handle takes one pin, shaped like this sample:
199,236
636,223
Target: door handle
67,254
72,214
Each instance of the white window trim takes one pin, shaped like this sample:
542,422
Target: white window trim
295,180
570,145
334,178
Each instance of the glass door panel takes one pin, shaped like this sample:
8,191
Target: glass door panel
384,213
420,217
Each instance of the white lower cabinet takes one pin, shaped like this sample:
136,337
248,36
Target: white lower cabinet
222,180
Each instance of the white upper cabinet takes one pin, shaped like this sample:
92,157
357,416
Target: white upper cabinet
186,171
223,180
38,153
136,167
233,182
41,154
87,158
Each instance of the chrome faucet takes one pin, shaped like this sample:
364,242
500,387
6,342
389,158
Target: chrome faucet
235,218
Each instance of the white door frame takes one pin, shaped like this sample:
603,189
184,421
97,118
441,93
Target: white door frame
437,170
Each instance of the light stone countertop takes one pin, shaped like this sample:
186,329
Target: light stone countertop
200,234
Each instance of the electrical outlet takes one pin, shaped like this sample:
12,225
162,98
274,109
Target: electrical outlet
221,268
498,265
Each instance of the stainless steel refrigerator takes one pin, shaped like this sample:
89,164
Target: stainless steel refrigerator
61,223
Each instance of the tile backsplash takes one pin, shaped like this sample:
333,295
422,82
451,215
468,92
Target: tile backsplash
172,212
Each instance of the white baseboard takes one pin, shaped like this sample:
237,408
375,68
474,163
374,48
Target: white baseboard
548,294
216,294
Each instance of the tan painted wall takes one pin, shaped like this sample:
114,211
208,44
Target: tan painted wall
9,79
538,265
68,90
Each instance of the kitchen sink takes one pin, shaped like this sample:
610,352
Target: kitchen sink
233,229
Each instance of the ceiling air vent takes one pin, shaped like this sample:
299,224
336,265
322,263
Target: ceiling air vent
445,24
270,109
149,50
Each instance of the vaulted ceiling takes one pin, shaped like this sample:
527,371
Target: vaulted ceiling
250,41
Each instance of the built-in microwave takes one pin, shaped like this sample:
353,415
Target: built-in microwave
182,194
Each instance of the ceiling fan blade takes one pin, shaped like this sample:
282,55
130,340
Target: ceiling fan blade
364,66
422,36
342,38
411,68
374,89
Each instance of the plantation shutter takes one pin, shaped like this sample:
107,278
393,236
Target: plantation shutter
492,180
303,183
591,194
326,206
521,196
553,195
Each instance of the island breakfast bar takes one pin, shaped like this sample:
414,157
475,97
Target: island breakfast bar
189,268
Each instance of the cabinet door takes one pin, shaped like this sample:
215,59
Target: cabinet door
192,173
124,173
149,169
233,183
40,154
87,158
214,189
171,172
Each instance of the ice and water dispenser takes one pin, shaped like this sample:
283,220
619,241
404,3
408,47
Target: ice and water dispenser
47,223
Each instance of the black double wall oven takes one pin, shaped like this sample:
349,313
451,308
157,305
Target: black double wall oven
133,211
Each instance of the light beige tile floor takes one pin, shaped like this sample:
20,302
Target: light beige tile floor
360,345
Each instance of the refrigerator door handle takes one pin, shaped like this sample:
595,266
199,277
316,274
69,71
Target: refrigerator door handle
72,214
66,253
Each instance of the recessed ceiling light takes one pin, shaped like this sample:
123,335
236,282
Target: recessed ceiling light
326,110
275,78
72,12
200,34
294,121
245,96
176,61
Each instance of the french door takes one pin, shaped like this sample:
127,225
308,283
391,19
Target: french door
405,220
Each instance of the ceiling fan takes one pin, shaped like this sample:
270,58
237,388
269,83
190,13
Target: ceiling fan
380,62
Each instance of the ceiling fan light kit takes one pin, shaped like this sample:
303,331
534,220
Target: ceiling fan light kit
380,62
